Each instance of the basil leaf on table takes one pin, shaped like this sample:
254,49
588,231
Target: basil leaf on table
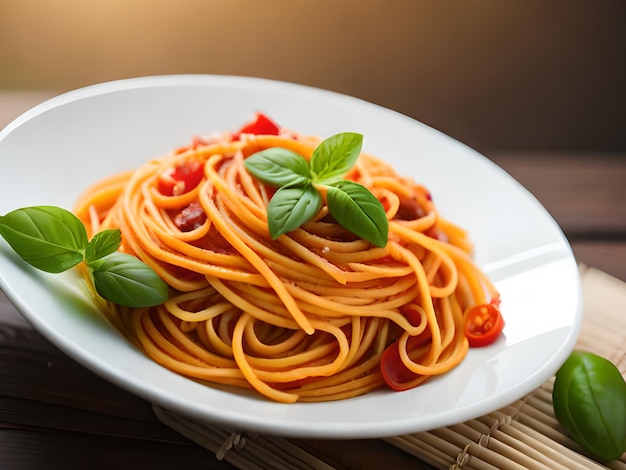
49,238
290,207
358,211
589,399
125,280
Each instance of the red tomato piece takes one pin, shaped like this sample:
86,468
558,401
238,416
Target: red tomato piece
410,209
260,125
397,376
181,178
190,218
483,324
412,315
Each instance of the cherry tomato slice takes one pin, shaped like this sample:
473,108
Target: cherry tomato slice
483,324
397,376
181,178
260,125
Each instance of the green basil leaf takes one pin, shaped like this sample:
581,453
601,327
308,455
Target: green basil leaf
334,156
49,238
125,280
290,207
357,210
589,399
278,167
102,244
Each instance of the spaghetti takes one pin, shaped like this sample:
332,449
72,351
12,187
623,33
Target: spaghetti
305,317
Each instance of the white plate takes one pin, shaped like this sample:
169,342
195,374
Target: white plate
54,151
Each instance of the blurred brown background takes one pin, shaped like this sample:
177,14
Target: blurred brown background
495,74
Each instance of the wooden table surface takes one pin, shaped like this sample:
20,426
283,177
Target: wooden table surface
56,414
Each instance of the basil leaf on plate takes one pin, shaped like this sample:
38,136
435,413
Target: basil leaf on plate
290,207
358,211
49,238
297,199
333,157
279,167
125,280
102,244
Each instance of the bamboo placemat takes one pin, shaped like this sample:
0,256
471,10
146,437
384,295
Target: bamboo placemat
522,435
526,434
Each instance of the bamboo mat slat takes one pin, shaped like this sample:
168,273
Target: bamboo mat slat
522,435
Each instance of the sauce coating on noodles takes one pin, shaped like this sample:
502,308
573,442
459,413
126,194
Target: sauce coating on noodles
305,317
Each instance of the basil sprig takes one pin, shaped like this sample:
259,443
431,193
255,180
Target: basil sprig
54,240
298,198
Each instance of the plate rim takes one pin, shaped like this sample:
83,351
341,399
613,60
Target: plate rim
97,365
